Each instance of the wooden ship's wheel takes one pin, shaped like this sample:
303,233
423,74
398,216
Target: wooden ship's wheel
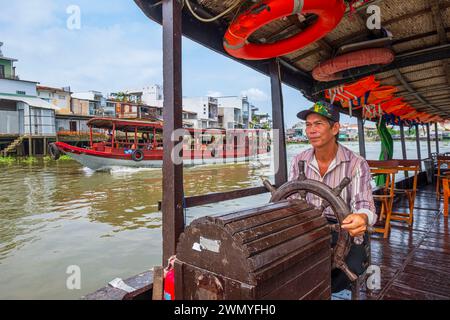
331,198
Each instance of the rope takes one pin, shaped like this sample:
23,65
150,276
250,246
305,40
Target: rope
233,6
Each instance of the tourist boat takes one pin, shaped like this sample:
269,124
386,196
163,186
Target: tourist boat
138,143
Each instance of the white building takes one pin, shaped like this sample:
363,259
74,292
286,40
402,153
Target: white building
152,95
202,112
21,111
230,112
207,111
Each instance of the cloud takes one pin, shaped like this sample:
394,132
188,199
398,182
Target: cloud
106,56
255,94
28,14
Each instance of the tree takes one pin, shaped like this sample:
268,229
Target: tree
121,96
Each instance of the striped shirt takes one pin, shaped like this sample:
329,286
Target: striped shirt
357,195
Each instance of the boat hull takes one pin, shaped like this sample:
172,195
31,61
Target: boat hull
98,161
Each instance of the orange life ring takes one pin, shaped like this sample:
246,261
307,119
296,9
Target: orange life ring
331,70
330,13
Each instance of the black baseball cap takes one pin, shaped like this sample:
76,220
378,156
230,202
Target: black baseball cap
322,108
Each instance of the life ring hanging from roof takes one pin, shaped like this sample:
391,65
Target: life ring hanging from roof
333,69
329,12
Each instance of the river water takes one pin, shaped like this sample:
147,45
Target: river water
54,215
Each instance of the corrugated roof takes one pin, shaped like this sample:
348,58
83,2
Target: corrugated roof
32,101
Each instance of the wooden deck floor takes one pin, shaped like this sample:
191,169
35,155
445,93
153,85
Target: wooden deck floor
414,262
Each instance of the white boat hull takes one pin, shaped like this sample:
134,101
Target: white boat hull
103,163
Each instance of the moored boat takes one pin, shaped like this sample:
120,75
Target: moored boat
138,144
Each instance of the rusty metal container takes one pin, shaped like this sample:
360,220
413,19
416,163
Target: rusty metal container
277,251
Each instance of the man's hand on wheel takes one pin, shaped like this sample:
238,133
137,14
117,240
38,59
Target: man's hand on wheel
355,224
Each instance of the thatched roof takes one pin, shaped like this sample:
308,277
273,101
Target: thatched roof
420,30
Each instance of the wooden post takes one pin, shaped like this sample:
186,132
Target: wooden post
281,175
30,146
158,283
402,138
419,156
172,208
437,137
428,140
45,146
361,138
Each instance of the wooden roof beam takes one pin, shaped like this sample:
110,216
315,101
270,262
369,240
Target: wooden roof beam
417,95
440,27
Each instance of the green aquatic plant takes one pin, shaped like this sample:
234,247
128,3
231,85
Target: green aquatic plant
29,160
62,158
7,160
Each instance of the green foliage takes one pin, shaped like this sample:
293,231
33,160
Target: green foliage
62,158
7,160
121,96
29,160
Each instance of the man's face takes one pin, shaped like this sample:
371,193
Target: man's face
319,131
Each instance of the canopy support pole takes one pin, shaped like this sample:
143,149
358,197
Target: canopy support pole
172,208
403,141
361,138
437,137
419,156
281,175
428,140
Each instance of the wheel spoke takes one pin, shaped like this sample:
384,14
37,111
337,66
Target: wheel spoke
325,204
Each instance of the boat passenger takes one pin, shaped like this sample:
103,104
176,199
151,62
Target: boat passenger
330,162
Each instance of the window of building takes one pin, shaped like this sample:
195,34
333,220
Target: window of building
73,126
62,97
2,71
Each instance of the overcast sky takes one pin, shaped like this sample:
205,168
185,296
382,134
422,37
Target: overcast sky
118,48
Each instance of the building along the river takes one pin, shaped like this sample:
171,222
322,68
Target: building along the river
26,121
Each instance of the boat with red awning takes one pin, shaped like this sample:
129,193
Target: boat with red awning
138,143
